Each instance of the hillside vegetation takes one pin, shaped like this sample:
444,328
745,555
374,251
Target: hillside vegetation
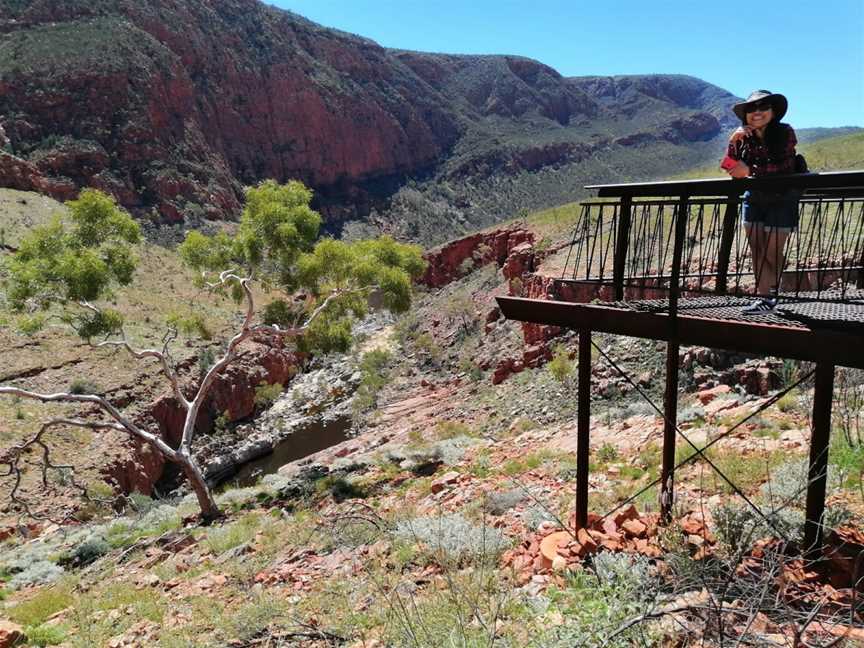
425,528
839,153
172,107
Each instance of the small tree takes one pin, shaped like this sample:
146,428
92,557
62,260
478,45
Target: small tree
460,308
77,268
561,366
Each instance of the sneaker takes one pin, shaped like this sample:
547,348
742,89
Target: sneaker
761,305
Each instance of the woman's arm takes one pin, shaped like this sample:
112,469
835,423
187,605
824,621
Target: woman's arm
732,163
740,134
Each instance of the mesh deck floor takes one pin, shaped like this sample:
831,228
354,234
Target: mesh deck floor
807,313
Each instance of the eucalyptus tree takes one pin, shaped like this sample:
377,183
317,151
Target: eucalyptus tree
323,285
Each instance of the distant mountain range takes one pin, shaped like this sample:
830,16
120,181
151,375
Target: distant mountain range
174,105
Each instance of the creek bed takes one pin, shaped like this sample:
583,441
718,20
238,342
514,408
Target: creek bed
306,440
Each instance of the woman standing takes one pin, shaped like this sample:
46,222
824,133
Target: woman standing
763,145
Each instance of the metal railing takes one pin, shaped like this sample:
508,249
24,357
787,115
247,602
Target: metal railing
642,248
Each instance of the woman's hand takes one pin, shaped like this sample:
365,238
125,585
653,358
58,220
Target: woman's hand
740,170
741,133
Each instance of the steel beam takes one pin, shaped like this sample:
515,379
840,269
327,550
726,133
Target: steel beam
583,426
849,180
797,343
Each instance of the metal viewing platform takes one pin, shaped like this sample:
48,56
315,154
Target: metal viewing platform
670,261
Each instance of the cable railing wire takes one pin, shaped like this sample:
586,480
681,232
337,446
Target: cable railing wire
824,257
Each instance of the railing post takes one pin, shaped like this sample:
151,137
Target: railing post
583,425
817,475
727,237
681,215
622,242
670,396
860,281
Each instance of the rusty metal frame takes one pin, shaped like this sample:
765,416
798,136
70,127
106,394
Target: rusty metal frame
797,343
824,347
827,347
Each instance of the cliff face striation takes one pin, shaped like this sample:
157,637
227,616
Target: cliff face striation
173,105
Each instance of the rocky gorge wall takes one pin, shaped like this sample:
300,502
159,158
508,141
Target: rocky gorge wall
173,106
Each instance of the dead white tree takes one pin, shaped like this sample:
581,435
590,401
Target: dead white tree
182,455
276,242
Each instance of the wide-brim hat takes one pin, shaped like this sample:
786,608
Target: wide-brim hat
778,102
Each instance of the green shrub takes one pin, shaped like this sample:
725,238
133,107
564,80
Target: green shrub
788,484
44,635
631,572
90,551
470,368
41,606
339,488
406,327
84,386
848,460
190,324
594,607
374,376
266,395
790,372
206,359
734,525
561,366
498,503
31,324
453,537
537,514
788,403
607,452
221,539
252,620
39,572
427,346
125,532
521,425
453,429
141,503
279,312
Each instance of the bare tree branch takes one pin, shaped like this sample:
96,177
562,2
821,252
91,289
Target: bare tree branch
162,356
12,459
124,423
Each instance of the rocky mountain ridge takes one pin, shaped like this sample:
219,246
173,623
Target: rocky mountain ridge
173,105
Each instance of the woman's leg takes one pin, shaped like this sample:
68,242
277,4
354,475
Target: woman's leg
756,238
775,245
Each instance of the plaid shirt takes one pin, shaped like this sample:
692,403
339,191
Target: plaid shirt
754,153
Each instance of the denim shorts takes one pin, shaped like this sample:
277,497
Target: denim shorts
779,211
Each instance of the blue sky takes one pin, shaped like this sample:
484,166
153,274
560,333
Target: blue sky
813,52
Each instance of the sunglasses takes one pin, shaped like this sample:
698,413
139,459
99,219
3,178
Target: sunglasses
762,106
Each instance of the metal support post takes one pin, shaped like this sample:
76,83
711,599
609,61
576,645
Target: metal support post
583,424
622,242
670,411
817,474
670,396
727,237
